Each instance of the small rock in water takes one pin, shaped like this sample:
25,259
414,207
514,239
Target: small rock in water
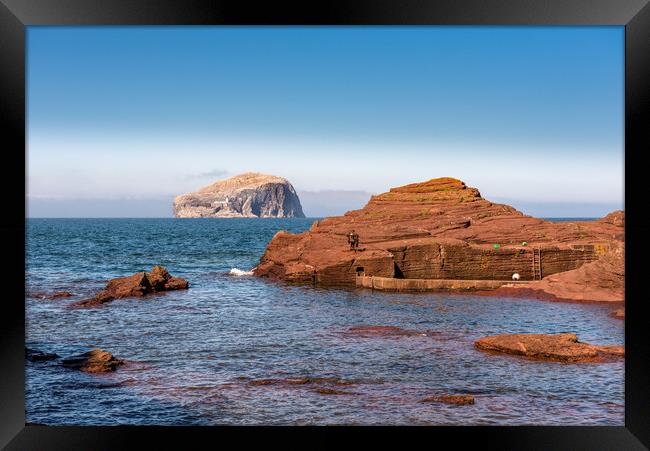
137,285
459,400
563,348
93,361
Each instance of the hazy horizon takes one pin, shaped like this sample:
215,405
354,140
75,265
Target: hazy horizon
316,204
122,119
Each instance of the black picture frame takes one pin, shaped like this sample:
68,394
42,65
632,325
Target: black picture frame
16,15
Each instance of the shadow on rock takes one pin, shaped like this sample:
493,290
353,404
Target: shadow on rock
93,361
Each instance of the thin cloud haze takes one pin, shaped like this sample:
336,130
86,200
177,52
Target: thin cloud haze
532,113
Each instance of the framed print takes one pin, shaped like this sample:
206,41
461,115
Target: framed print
345,215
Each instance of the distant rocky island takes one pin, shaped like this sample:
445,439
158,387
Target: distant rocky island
248,195
442,235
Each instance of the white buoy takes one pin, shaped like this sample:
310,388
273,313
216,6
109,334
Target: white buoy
515,276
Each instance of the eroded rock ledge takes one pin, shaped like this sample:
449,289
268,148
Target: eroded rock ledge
563,348
443,229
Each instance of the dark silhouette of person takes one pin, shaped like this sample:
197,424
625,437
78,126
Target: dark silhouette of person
353,239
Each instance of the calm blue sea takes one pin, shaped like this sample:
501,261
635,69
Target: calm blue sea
192,353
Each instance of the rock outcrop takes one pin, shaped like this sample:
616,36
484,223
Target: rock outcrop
139,284
443,229
93,361
563,348
249,195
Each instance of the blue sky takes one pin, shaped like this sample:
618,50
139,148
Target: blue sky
121,117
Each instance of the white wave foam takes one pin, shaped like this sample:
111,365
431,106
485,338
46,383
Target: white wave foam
238,272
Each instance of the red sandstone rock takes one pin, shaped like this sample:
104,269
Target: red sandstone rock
563,348
158,277
93,361
176,283
442,229
601,280
459,400
139,284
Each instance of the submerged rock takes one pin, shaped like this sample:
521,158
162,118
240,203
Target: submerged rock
137,285
302,381
249,195
320,385
93,361
459,400
563,348
52,296
443,229
34,355
386,331
332,391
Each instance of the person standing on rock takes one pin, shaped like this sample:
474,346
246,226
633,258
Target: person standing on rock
353,239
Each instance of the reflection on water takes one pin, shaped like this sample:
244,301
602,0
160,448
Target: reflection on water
193,354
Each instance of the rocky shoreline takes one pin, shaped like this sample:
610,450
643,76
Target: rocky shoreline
455,237
442,229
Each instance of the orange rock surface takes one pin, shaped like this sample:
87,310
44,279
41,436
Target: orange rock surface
443,229
556,347
93,361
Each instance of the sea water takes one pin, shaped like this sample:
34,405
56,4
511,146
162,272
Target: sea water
192,353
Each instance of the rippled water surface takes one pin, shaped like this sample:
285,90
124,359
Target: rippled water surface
192,354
